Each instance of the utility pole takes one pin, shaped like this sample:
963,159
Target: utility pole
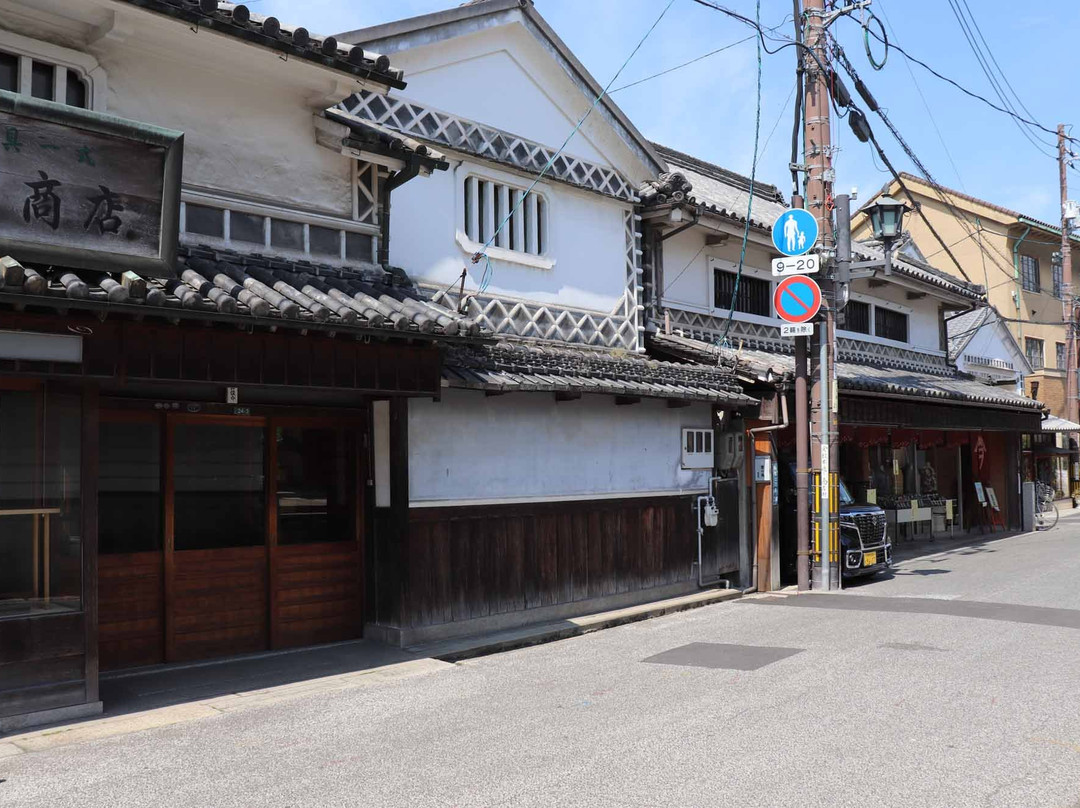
817,156
1068,300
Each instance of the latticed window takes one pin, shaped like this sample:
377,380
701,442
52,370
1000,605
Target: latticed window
487,203
1029,273
857,317
754,295
1033,349
890,324
22,74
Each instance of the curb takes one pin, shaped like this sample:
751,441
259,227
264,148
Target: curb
579,626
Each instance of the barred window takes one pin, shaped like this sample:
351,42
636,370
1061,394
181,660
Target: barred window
1033,349
1029,273
857,317
487,203
891,324
50,82
754,295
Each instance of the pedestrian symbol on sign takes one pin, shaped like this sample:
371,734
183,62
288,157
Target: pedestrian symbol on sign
795,232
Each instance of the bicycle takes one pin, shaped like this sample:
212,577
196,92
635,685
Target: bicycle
1046,512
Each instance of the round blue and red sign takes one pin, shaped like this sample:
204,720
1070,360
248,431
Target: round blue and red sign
797,299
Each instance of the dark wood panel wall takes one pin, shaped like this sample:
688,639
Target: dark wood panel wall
388,552
872,410
144,351
43,664
131,609
477,561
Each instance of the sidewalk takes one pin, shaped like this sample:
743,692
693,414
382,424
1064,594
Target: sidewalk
163,695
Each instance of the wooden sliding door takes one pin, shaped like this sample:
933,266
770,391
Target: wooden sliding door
228,535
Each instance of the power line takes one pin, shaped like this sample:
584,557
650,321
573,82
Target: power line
684,64
962,88
753,178
995,83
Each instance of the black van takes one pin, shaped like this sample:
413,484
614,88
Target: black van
866,548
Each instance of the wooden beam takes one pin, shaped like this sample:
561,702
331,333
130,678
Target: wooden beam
622,401
716,239
89,497
678,403
874,283
915,295
566,395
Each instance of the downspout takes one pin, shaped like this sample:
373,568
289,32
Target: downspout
394,181
1016,277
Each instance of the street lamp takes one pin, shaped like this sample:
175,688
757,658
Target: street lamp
887,221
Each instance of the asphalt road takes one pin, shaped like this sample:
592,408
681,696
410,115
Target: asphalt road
954,683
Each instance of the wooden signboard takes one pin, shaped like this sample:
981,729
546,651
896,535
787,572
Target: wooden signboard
87,190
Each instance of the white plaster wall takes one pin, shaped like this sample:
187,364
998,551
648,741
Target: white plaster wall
472,447
586,240
924,316
247,132
686,267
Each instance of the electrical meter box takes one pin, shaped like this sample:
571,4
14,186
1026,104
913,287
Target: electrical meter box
731,450
712,513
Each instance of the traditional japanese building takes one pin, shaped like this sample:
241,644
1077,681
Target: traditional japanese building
917,434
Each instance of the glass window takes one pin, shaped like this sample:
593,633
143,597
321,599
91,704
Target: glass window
1029,273
40,505
204,221
1033,348
247,227
1057,276
891,324
287,235
324,241
1059,352
313,485
754,294
129,487
857,317
9,72
219,491
359,247
76,90
41,80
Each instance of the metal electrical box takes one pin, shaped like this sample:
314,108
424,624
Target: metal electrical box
762,469
731,450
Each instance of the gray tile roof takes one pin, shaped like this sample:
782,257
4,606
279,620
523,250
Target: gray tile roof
724,192
762,365
519,367
906,264
221,285
237,21
963,327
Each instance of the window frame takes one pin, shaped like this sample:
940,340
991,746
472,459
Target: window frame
513,182
697,459
1041,363
1060,355
270,213
714,264
63,60
1029,268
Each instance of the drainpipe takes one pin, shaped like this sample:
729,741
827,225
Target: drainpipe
1016,276
411,170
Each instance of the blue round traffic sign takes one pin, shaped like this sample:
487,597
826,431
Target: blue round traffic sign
797,299
795,231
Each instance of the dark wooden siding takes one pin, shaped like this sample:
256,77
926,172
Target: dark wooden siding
316,593
219,602
131,619
44,663
476,561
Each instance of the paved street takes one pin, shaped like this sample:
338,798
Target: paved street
954,683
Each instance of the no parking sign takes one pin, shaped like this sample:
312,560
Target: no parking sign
797,300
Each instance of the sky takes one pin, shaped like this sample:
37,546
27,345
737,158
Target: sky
708,109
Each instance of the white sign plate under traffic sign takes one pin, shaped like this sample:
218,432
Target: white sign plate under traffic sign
797,330
799,265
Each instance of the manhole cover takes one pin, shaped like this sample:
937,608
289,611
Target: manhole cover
722,656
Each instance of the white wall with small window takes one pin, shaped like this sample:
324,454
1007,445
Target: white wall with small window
249,226
572,449
564,245
50,72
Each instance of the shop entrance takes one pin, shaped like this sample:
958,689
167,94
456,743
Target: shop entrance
223,535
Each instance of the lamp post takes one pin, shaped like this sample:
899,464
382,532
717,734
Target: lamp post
887,223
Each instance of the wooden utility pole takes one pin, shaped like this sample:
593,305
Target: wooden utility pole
1068,301
817,157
